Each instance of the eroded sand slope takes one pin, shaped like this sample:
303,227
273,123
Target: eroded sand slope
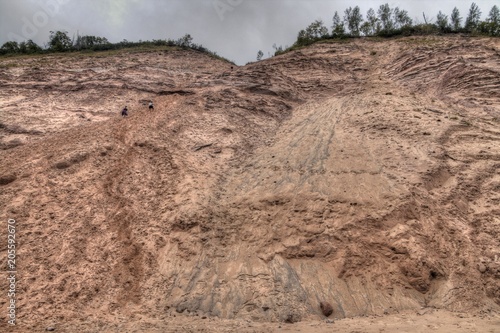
364,174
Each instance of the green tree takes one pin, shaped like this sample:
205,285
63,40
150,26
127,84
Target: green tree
442,22
373,21
317,30
456,20
473,18
23,48
59,41
278,49
385,16
338,28
302,38
353,19
89,42
401,18
313,32
260,54
185,41
494,21
365,28
29,47
10,47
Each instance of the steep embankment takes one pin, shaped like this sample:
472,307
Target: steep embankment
363,174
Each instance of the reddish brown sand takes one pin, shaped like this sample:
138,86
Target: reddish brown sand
364,174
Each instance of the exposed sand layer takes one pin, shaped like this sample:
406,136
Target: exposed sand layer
362,174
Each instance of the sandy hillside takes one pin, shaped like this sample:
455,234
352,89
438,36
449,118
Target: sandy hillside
363,174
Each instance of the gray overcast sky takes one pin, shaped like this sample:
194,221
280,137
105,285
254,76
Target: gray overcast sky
235,29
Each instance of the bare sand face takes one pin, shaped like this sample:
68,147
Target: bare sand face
362,174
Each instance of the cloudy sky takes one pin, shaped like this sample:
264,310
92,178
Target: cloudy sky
235,29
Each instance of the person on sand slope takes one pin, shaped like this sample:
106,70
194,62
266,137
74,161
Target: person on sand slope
151,106
125,112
